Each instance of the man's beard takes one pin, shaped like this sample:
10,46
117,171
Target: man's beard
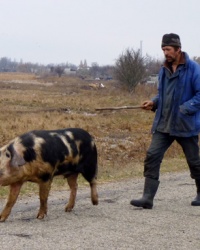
170,59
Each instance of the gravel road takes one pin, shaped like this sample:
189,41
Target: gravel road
114,224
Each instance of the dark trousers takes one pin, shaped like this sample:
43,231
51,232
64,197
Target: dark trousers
159,145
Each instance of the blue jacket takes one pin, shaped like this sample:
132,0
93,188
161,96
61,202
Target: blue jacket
186,100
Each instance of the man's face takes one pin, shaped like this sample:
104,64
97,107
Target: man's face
171,53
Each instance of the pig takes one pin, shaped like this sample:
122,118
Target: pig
37,156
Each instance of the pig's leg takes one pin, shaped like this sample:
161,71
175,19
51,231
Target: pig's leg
44,188
94,194
72,182
14,192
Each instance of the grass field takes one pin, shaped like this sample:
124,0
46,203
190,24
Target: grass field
28,102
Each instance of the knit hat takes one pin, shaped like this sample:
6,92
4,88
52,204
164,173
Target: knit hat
171,40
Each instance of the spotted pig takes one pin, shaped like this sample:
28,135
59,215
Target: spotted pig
38,156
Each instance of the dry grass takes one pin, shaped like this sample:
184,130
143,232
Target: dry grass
122,137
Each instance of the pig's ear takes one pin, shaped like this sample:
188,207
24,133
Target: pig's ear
16,159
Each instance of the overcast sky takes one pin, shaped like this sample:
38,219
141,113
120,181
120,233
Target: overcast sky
60,31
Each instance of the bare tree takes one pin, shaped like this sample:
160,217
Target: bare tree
59,70
6,65
152,65
130,68
197,59
94,70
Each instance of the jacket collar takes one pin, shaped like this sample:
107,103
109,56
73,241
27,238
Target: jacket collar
182,61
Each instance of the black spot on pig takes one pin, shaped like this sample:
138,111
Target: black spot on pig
28,142
29,155
11,150
66,169
45,177
53,150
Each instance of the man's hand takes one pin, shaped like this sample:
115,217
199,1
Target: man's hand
147,105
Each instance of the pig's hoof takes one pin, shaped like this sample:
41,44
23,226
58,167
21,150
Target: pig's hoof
95,202
68,208
2,219
40,216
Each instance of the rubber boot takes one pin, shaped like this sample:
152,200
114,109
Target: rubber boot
196,201
150,189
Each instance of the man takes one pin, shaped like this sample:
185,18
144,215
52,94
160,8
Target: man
177,117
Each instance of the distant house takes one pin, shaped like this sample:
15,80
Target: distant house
69,71
152,79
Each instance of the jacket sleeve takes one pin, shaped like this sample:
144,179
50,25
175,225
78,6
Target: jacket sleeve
155,102
156,98
193,105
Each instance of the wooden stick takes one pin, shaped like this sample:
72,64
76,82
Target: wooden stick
37,111
118,108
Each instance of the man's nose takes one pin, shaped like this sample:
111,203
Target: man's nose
165,53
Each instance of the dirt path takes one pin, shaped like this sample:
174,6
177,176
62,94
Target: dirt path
113,224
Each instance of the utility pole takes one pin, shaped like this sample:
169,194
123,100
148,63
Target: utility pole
141,48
